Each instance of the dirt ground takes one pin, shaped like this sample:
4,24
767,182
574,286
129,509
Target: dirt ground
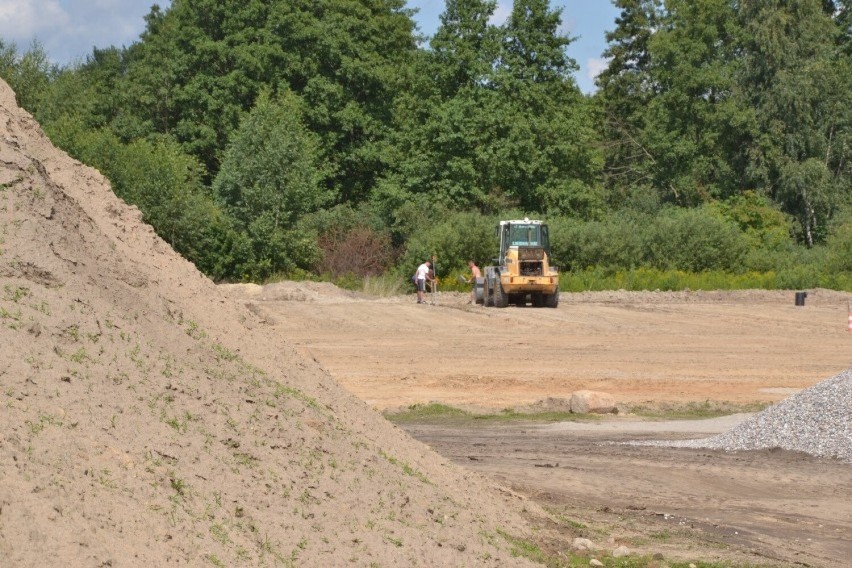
645,349
742,347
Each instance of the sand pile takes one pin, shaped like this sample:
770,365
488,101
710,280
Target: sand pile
148,420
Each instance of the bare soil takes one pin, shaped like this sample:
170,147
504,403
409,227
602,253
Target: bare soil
650,349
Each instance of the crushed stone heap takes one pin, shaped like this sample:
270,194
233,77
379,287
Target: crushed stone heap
816,421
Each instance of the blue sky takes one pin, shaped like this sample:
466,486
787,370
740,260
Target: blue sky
587,20
69,29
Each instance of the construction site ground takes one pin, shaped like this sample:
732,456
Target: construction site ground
650,350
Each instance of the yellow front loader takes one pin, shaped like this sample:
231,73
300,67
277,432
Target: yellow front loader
522,273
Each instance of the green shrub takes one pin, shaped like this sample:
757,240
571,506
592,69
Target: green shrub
694,240
839,250
598,279
615,242
454,240
761,222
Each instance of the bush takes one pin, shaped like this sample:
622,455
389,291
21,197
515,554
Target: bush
360,251
694,240
612,243
456,239
764,225
839,250
639,279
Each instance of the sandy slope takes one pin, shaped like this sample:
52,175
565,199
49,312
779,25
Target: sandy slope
148,419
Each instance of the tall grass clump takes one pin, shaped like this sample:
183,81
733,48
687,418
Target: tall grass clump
384,286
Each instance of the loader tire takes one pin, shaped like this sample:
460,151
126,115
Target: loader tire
551,300
501,299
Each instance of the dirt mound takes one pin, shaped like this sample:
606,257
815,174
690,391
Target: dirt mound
289,291
147,418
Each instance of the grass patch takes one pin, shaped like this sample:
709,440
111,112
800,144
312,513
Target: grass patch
512,415
432,412
695,410
558,557
436,413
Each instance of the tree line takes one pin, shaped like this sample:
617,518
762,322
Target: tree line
328,137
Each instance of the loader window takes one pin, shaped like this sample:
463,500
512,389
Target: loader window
525,235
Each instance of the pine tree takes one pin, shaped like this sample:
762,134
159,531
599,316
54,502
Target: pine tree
625,89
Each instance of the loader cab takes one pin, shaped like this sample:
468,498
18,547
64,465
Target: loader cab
525,233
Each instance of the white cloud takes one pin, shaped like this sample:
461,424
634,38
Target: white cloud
69,29
23,20
594,67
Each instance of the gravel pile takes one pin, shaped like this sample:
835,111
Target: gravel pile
817,421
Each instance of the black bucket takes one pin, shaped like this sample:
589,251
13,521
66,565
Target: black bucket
800,298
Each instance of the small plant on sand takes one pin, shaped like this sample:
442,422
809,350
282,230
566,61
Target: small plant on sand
13,317
224,354
179,485
407,469
15,294
245,459
181,424
570,522
80,356
43,421
283,390
105,479
73,332
194,331
42,307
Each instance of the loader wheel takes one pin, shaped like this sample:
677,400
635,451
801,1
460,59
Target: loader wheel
501,299
551,300
486,294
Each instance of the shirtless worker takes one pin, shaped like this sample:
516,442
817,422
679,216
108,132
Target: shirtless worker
474,274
